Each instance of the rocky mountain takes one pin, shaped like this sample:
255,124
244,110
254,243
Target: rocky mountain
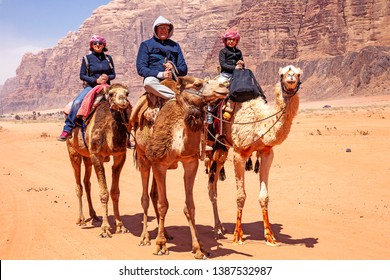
343,46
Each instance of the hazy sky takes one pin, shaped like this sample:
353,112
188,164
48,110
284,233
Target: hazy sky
33,25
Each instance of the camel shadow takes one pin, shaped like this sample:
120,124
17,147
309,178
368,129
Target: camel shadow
132,222
255,230
181,241
214,247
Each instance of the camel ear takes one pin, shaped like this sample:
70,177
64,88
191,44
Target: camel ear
106,89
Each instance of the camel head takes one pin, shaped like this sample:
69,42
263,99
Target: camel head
117,96
189,82
200,92
214,90
290,79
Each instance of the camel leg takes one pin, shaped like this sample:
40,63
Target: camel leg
75,160
239,169
87,186
119,161
190,170
267,157
160,173
145,175
219,230
97,162
154,197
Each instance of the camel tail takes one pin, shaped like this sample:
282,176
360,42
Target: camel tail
135,159
222,174
248,165
257,166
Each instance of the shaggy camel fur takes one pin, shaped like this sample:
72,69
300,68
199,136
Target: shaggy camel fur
175,136
255,127
105,136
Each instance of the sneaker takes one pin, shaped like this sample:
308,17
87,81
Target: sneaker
63,136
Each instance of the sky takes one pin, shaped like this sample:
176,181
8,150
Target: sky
34,25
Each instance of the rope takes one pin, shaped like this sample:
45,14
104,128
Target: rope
283,111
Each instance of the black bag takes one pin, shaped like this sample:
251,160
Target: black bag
244,87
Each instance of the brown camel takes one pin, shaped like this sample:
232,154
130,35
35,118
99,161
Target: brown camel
175,136
105,136
255,127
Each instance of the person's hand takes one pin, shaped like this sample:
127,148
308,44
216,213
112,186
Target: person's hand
240,64
168,66
167,75
103,79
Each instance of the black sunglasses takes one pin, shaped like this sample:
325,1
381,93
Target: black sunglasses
97,43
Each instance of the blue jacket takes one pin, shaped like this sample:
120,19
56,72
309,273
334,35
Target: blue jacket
98,65
152,53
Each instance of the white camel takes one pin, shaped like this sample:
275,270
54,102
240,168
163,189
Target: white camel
255,127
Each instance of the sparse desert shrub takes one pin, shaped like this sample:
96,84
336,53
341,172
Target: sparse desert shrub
45,135
363,132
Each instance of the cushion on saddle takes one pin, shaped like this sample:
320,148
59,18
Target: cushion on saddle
89,100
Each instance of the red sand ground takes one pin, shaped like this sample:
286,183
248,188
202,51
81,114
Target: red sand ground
325,203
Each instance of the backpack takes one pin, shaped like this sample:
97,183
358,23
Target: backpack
244,87
85,83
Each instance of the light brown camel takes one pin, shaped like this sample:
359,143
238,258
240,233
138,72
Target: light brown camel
105,136
175,136
255,127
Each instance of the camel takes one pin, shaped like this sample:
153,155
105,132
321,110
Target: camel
105,136
255,127
174,137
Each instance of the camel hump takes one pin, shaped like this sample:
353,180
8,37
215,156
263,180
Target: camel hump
138,110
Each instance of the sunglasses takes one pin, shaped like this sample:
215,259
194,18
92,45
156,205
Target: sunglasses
97,43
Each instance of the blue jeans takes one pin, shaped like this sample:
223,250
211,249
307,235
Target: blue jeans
72,116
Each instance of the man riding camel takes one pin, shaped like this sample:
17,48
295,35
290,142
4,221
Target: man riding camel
160,58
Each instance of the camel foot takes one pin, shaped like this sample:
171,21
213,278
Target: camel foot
161,247
160,251
219,232
145,240
238,238
105,232
273,244
121,229
144,243
271,241
81,222
200,256
238,242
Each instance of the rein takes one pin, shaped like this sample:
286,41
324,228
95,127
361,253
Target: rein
282,111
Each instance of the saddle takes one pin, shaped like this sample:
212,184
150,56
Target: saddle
146,109
148,106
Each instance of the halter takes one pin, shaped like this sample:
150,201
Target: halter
198,92
288,92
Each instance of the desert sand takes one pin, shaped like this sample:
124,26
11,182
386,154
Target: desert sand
326,203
